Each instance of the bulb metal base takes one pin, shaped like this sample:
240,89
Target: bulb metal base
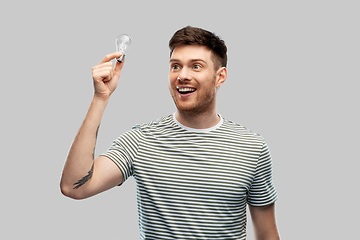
121,59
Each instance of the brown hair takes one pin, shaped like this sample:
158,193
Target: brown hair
197,36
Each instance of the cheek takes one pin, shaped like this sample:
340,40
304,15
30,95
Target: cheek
171,84
172,78
209,82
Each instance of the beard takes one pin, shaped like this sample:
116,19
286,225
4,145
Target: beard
203,102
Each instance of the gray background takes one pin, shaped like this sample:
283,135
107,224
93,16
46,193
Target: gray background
293,78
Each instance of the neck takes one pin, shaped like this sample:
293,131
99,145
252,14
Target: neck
197,120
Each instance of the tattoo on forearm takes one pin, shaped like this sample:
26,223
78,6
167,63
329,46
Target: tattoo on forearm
97,131
96,135
84,179
90,173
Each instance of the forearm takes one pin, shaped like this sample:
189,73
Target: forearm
78,167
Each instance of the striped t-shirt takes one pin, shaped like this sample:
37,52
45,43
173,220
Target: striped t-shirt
194,183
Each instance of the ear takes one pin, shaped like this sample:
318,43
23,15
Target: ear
221,76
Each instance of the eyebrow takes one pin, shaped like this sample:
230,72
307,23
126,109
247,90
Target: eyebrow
192,60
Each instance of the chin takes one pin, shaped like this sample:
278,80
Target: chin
184,107
193,106
191,109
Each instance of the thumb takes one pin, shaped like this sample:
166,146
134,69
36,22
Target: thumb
118,68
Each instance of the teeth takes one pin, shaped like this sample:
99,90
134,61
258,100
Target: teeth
186,89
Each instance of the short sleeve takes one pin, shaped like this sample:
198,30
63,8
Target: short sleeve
123,151
262,191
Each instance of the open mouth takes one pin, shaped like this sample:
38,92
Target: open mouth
185,90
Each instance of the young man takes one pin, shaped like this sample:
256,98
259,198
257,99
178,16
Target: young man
195,170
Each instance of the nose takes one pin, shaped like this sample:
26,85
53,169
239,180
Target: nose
184,75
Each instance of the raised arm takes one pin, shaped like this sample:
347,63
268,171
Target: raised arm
83,176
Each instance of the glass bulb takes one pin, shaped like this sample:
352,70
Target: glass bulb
122,43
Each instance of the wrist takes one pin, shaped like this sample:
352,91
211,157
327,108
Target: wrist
101,99
98,106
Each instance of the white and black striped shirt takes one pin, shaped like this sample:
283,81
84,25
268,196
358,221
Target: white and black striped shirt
194,183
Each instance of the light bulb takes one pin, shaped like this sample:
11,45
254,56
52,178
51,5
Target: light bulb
122,43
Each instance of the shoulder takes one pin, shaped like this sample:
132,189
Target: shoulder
239,131
162,124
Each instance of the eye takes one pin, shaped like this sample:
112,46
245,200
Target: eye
175,67
197,67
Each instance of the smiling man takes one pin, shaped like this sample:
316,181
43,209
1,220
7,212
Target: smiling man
195,170
194,80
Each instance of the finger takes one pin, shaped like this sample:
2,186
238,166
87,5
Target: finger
118,68
104,68
110,57
103,65
103,75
